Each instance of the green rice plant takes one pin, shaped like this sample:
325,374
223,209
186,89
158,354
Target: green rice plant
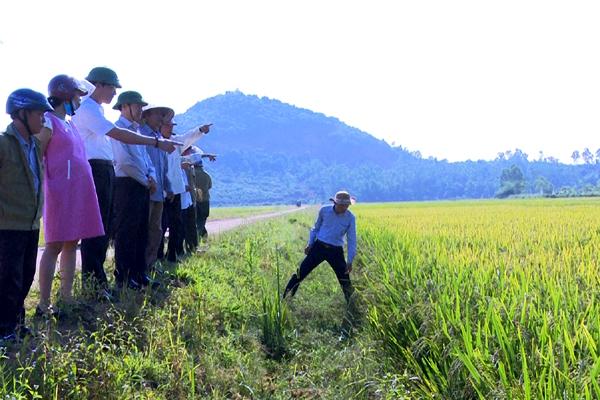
275,322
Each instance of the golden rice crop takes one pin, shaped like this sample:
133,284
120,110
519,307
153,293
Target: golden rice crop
491,299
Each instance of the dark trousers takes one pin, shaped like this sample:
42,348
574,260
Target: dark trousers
93,250
18,253
132,200
319,252
202,213
172,220
190,234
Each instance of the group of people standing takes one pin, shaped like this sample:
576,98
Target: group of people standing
93,180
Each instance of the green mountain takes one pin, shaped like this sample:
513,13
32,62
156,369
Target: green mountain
275,153
246,123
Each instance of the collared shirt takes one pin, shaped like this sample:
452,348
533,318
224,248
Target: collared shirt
132,160
30,155
93,127
161,166
176,174
331,228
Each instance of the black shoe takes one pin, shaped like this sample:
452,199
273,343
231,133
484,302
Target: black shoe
48,312
131,284
8,339
292,286
24,331
106,295
41,313
145,280
344,336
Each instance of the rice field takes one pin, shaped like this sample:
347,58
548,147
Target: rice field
486,300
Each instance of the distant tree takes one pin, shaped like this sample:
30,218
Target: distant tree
512,182
588,190
520,154
575,156
543,186
597,156
587,156
566,191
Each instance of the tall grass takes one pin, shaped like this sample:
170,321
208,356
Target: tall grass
489,299
275,321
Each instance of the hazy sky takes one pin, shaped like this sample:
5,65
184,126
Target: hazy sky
452,79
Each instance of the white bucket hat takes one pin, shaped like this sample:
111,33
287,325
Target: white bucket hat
343,198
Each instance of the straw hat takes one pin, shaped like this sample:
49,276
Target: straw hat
168,112
343,198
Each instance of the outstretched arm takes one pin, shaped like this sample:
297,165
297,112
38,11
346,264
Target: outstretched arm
190,137
131,137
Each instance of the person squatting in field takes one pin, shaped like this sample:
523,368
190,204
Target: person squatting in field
326,243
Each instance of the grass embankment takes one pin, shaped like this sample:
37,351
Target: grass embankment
202,334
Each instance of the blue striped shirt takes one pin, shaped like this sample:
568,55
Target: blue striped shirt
331,228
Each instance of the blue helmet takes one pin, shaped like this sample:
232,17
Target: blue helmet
27,99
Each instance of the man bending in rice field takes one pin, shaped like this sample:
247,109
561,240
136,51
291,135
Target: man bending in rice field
326,243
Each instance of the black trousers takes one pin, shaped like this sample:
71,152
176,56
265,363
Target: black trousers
202,213
131,205
173,221
334,255
18,254
93,250
190,234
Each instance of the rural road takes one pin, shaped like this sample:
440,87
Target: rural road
214,227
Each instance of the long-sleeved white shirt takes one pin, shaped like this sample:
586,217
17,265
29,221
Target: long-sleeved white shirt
175,173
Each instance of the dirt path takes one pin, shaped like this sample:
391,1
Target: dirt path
214,227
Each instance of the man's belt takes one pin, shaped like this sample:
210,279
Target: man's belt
327,245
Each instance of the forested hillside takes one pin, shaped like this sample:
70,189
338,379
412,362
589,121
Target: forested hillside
272,152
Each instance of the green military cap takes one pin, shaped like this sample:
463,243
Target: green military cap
129,97
103,75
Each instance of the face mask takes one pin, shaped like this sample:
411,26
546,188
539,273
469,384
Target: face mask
69,110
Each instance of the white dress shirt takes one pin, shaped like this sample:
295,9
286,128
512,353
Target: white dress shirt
93,127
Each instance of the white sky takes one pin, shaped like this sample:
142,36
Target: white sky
453,79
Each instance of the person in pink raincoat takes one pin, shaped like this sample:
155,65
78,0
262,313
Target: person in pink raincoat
71,210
